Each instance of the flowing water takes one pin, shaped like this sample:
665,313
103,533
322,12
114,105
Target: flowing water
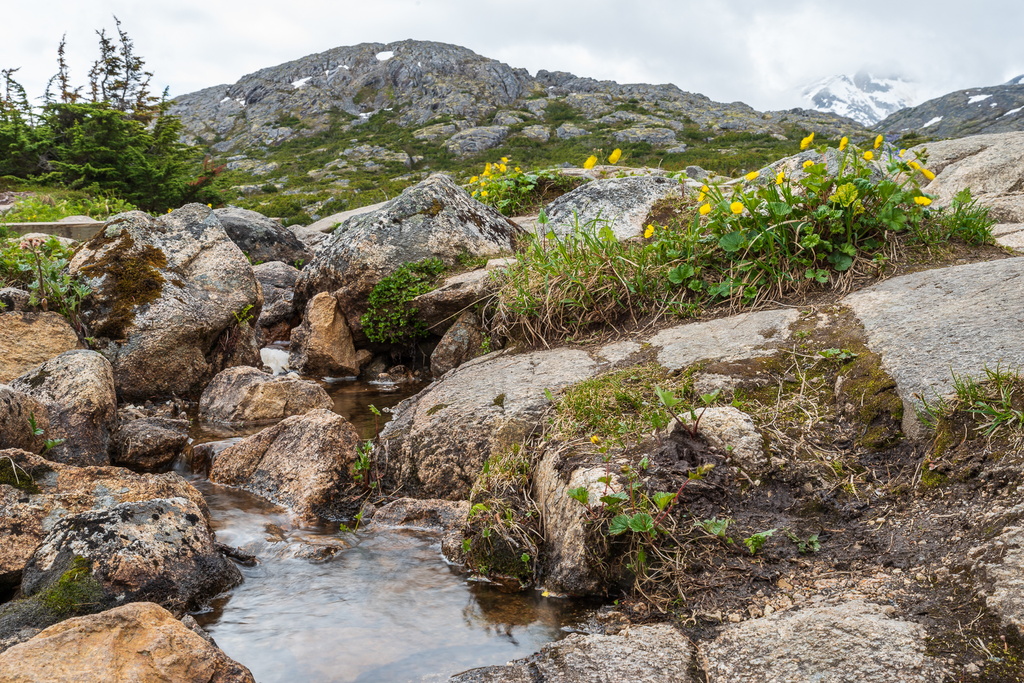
375,605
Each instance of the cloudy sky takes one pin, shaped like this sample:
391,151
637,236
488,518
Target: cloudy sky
756,51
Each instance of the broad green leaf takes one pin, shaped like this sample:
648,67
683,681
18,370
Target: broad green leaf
618,525
732,241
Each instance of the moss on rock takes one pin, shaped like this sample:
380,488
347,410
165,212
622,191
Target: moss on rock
130,278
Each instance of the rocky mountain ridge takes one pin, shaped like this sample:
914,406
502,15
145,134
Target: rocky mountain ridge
427,81
974,111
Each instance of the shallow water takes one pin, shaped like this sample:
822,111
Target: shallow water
383,606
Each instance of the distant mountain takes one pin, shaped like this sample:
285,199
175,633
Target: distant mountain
425,83
995,109
863,97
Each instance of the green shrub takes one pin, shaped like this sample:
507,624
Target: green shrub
389,319
513,191
43,208
41,267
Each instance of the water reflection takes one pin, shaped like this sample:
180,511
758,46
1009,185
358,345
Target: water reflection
385,607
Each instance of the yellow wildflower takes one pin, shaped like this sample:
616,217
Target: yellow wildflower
518,170
922,200
504,160
614,157
474,179
168,211
736,207
475,193
869,155
649,232
590,162
487,169
843,143
914,165
779,177
211,205
927,174
807,141
878,141
808,163
902,152
704,209
752,175
704,188
595,439
502,167
483,193
700,197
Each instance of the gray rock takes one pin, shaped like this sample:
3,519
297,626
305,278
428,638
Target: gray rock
439,307
77,388
620,203
439,439
656,137
475,140
302,463
260,238
277,280
567,131
853,642
13,299
536,133
732,433
439,130
1010,235
314,234
678,149
747,335
159,550
933,324
167,294
696,172
436,515
506,118
434,219
638,654
322,344
150,443
246,395
17,413
460,343
1003,577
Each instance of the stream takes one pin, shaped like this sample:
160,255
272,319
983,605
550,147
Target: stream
374,605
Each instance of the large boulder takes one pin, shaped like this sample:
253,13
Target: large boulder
240,395
150,443
303,463
932,325
170,296
322,344
35,493
439,439
278,315
77,388
29,339
433,219
260,238
140,641
161,550
460,343
639,654
851,642
991,165
621,204
439,308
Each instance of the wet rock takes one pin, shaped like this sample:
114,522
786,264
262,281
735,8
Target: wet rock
159,550
731,433
476,140
930,325
140,641
853,642
439,439
622,204
45,491
13,299
434,219
440,515
278,315
639,654
77,388
303,463
322,344
260,238
747,335
239,395
29,339
18,411
150,443
460,343
168,296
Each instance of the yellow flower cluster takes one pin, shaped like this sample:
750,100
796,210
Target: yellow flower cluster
649,232
807,141
590,162
614,157
491,170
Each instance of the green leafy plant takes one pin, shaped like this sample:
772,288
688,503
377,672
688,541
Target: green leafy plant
389,318
40,266
512,191
45,208
811,544
756,541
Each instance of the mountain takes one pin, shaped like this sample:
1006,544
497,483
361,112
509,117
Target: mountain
863,97
428,82
995,109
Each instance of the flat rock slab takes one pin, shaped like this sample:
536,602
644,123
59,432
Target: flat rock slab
1004,577
1009,235
640,654
931,325
854,642
747,335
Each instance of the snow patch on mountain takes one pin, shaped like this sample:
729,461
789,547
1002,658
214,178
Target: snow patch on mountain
863,97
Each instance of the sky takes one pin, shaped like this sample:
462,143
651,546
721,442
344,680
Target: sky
756,51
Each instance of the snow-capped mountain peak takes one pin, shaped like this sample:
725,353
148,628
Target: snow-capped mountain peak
1019,80
863,97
